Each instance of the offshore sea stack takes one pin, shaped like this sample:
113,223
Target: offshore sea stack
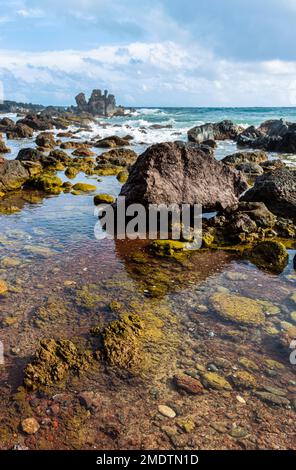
176,172
99,104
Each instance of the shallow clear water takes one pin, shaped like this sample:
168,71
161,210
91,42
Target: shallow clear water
50,257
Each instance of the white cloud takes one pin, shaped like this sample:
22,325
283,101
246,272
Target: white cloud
159,73
30,13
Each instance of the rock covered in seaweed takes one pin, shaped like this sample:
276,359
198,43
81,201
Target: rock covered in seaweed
121,345
270,254
237,308
52,363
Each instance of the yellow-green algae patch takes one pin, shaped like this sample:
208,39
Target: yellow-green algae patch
84,187
271,255
238,309
121,346
52,363
103,199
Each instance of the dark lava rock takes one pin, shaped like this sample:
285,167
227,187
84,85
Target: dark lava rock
223,130
13,175
277,190
273,135
29,154
175,172
19,131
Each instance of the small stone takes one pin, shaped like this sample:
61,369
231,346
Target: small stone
248,364
238,432
166,411
30,425
270,398
202,308
220,427
188,384
243,379
240,399
275,390
216,381
212,367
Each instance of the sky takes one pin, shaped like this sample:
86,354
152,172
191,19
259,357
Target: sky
150,52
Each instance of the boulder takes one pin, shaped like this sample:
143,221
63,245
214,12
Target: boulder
13,175
6,123
111,142
277,190
270,255
246,157
45,139
273,135
214,131
29,154
176,172
250,169
3,148
36,122
20,131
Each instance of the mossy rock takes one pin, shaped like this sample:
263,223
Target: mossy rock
215,381
238,309
248,364
48,183
84,187
122,176
270,255
52,363
103,199
121,345
71,172
208,239
168,247
274,365
244,380
88,298
112,171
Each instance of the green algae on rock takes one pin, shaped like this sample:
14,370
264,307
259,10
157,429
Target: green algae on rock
52,362
46,182
238,309
122,176
121,346
271,255
216,381
168,247
103,199
244,380
84,187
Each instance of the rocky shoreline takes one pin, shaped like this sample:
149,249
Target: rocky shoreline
132,327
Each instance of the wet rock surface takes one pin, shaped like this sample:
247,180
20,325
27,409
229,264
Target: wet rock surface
177,173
